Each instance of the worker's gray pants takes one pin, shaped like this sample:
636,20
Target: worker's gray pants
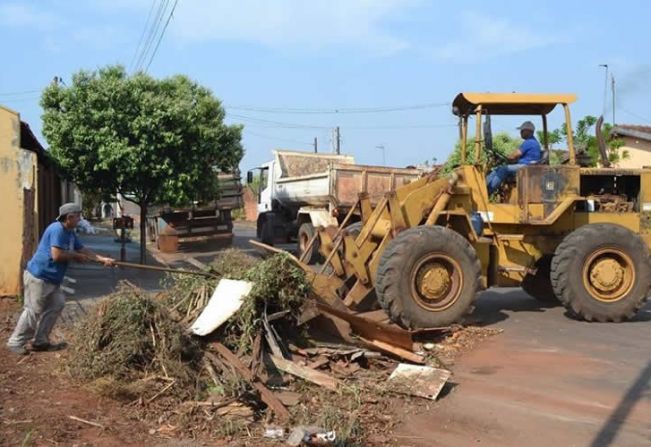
43,304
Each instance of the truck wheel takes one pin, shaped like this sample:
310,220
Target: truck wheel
305,233
354,229
427,277
602,272
539,286
267,232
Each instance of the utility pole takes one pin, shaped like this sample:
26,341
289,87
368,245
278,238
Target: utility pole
337,141
315,146
605,87
612,87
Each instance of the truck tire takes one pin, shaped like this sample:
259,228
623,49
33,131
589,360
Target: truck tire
305,233
539,286
354,229
267,232
427,277
601,272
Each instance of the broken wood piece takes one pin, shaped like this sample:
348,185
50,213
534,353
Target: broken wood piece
235,409
421,381
319,362
270,336
151,399
277,315
395,350
208,403
345,370
305,373
267,396
288,398
256,353
198,264
84,421
372,330
211,371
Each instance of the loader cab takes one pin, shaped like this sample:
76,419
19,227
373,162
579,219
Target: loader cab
536,190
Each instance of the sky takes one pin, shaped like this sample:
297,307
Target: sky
384,71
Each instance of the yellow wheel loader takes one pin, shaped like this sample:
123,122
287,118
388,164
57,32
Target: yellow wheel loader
575,234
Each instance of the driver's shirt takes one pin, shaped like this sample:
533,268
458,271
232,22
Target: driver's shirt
530,149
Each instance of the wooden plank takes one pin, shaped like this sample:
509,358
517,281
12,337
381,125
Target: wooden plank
266,395
198,264
306,373
396,351
372,330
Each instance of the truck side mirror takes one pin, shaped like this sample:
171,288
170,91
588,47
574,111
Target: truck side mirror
249,177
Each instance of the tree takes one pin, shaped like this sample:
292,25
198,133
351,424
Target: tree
585,140
153,141
502,143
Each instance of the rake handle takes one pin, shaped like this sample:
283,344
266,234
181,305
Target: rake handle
133,265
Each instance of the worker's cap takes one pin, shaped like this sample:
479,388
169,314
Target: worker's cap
68,208
527,125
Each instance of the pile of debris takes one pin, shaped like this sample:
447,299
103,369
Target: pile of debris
254,358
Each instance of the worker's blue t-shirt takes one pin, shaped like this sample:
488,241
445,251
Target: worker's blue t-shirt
42,266
530,149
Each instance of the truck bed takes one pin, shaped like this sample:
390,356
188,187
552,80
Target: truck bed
341,183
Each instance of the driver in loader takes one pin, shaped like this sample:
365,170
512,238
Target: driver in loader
528,153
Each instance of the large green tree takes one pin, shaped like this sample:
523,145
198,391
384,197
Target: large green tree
151,140
585,141
502,143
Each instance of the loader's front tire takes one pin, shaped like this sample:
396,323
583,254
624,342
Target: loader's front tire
602,272
427,277
305,233
539,285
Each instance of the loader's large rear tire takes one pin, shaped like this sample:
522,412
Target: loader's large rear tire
305,233
427,277
539,285
602,272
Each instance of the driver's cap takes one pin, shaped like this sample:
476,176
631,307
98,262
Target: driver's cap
527,125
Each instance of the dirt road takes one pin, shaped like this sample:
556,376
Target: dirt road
546,380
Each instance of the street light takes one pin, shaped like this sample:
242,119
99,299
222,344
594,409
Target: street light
381,146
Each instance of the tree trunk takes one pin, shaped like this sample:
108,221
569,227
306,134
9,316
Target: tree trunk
143,232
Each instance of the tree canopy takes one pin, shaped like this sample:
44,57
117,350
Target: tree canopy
502,143
585,140
152,140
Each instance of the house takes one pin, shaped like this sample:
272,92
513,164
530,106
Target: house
32,192
637,144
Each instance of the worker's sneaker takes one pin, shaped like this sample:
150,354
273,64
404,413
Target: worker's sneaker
20,350
49,347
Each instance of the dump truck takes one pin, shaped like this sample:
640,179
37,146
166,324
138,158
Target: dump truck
570,233
302,191
168,226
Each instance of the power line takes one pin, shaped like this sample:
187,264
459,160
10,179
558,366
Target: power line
397,127
341,110
24,92
277,123
169,18
151,36
12,100
635,115
142,35
269,137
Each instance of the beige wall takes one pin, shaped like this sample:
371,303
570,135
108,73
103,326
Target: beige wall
18,219
639,153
